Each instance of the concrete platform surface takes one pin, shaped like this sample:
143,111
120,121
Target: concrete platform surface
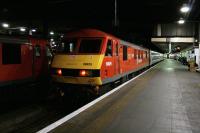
164,100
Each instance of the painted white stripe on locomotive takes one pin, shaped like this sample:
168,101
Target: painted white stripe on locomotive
75,113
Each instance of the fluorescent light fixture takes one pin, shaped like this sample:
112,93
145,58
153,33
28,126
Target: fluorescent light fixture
33,30
51,33
22,29
185,8
5,25
181,21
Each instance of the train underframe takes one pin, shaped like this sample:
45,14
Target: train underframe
95,90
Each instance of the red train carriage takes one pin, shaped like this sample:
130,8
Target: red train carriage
22,59
94,58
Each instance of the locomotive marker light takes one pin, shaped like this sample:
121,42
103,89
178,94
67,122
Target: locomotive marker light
59,72
83,73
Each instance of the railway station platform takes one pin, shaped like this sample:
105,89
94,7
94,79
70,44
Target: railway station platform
166,99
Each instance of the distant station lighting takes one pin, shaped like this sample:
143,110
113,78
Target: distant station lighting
51,33
33,30
5,25
185,9
22,29
181,21
52,39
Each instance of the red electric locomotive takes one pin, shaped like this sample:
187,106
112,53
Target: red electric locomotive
22,59
94,58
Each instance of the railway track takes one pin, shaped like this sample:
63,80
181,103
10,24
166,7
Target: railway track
31,116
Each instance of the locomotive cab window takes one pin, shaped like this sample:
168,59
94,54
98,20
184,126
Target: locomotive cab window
37,51
90,46
109,48
67,46
11,53
125,56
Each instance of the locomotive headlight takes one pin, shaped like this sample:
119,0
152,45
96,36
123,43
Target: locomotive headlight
59,72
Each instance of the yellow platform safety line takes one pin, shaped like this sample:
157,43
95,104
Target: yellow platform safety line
77,61
78,80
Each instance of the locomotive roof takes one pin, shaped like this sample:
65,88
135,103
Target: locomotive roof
98,33
132,45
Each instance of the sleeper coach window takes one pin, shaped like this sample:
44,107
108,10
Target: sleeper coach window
109,48
90,46
125,57
11,53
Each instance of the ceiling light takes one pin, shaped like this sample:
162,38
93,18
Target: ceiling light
33,30
185,9
5,25
22,29
181,21
51,33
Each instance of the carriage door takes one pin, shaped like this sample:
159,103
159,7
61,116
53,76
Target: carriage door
116,57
